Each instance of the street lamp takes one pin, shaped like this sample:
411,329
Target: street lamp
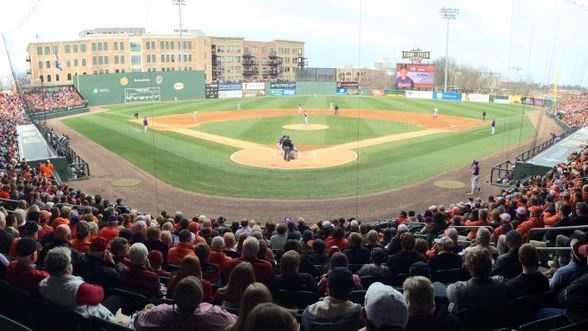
447,14
180,4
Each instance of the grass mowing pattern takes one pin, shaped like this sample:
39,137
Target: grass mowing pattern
205,167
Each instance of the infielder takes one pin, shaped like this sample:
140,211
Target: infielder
300,109
435,112
305,118
336,109
475,180
493,127
145,124
194,116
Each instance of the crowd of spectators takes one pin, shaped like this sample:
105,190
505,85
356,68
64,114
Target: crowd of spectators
573,109
418,271
41,100
10,116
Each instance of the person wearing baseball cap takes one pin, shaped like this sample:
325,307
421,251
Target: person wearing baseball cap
385,309
575,296
335,310
97,266
577,266
21,272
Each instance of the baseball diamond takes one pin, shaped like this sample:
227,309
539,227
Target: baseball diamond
372,145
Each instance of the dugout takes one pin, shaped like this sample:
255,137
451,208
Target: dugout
128,87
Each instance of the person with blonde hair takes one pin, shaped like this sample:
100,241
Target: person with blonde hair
255,294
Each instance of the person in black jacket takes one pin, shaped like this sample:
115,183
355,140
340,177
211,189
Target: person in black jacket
507,264
290,278
356,253
530,281
445,258
98,267
400,263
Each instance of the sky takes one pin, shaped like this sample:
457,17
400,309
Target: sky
530,40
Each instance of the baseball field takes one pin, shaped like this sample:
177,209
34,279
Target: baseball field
229,147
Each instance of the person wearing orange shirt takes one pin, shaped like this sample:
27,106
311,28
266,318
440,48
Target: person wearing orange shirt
111,230
82,241
184,248
47,169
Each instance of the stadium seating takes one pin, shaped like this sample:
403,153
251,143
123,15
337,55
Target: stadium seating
35,207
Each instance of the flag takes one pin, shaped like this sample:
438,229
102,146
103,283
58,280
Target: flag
57,62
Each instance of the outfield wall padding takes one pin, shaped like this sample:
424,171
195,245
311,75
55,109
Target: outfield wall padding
141,87
318,88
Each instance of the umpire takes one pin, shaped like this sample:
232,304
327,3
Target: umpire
287,147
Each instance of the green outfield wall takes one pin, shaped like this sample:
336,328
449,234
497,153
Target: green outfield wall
140,87
316,88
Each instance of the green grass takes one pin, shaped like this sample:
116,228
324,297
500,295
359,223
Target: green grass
205,167
341,129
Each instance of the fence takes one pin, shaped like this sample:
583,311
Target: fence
79,168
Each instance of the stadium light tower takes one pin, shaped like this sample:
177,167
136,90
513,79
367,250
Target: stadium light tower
448,14
180,4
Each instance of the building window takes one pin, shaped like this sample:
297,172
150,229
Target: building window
67,48
116,70
93,47
40,64
167,44
106,71
101,71
41,78
83,62
121,46
48,78
173,58
167,58
56,77
162,58
135,47
75,48
122,59
172,44
99,46
68,76
116,59
153,58
47,64
106,60
136,60
116,46
105,46
152,44
94,62
148,58
190,57
83,48
68,63
147,45
46,50
100,60
55,49
39,50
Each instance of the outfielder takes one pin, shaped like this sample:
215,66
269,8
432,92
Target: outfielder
493,127
305,118
336,109
300,109
145,124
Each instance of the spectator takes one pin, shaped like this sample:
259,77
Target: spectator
154,242
155,258
98,266
356,253
217,254
138,277
575,295
377,269
393,246
210,272
255,294
230,246
119,248
530,281
445,258
262,268
242,276
290,278
385,309
335,308
278,240
111,230
337,239
184,248
318,256
422,312
21,272
190,266
565,275
338,260
481,291
483,240
82,241
69,291
188,312
507,265
270,317
400,262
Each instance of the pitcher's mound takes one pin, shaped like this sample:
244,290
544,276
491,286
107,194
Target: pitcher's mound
271,158
303,127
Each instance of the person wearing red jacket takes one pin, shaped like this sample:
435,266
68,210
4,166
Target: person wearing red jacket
21,272
263,269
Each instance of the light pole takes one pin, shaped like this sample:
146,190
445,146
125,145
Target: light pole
180,4
447,14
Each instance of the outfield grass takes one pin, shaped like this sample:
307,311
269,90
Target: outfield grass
341,129
205,167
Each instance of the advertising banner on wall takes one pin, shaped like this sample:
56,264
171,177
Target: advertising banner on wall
419,94
211,91
503,99
515,98
447,96
415,76
226,91
475,97
253,89
283,89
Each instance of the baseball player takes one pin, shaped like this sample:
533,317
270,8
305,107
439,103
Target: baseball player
493,127
300,109
136,115
336,109
483,116
145,124
305,118
194,116
475,179
435,112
